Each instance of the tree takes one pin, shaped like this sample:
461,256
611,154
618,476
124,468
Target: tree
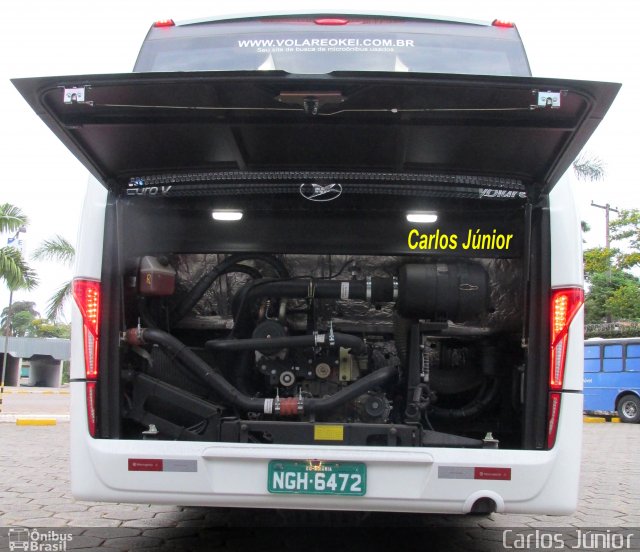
45,328
598,260
599,304
17,307
21,322
14,271
59,250
627,227
589,168
624,303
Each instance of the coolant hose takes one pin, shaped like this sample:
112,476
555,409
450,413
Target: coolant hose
199,289
485,397
347,341
227,392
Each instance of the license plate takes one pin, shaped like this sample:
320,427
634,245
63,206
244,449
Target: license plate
315,477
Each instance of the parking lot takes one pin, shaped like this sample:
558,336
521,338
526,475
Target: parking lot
34,492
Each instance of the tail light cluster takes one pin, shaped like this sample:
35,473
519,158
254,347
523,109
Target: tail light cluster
565,304
87,296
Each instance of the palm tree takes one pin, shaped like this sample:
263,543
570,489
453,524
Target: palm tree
14,271
589,168
59,250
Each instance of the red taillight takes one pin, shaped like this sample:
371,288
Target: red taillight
164,23
502,23
87,296
565,303
331,21
554,417
91,407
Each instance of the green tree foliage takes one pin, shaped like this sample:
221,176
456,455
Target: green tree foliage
607,294
624,302
26,322
627,227
11,218
21,323
598,260
61,251
18,307
614,294
14,270
57,249
45,328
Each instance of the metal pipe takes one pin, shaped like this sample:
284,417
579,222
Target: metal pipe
276,343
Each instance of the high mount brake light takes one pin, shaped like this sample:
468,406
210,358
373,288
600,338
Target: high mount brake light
331,21
502,23
164,23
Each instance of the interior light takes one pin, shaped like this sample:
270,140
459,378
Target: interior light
226,215
422,217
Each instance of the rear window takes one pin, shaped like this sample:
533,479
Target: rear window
304,47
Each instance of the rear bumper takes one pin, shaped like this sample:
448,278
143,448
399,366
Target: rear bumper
398,479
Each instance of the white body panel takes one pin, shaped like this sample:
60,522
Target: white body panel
402,480
399,479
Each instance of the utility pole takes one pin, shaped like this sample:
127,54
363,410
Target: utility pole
607,209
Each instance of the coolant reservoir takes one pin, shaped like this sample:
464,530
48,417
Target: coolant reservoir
156,277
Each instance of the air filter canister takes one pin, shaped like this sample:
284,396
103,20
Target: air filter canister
443,291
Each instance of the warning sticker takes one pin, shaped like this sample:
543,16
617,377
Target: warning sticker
469,472
163,465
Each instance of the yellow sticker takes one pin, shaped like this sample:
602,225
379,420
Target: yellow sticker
328,433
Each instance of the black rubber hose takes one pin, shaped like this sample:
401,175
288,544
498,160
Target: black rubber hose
199,367
227,392
253,272
485,397
360,387
199,289
339,340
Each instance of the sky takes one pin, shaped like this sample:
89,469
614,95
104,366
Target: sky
586,40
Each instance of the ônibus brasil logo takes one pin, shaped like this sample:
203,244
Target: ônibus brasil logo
33,540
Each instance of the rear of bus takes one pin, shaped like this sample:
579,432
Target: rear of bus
327,261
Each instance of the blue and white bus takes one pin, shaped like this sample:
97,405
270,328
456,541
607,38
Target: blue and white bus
612,377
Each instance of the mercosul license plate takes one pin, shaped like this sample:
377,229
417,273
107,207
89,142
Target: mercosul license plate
316,477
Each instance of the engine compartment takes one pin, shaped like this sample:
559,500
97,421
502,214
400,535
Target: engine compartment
324,349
